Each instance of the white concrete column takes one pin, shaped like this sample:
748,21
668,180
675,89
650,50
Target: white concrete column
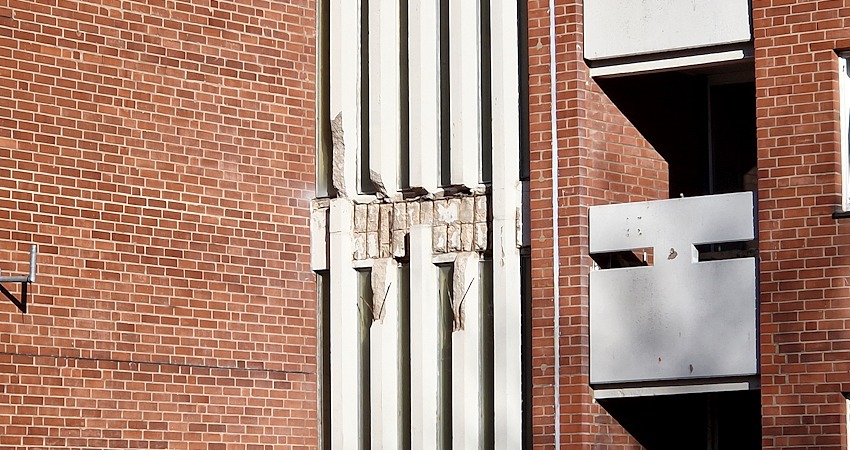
345,373
465,90
384,95
507,218
345,92
385,353
467,347
425,106
424,341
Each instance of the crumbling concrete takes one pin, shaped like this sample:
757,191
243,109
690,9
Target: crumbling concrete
338,156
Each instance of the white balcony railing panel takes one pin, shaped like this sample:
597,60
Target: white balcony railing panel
678,318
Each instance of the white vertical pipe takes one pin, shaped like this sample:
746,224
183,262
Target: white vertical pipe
345,373
424,341
465,90
506,208
345,91
467,347
384,342
844,127
424,85
384,101
556,230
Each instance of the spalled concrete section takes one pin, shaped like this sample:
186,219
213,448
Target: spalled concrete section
458,224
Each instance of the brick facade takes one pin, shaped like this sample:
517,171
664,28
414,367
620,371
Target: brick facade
161,155
602,159
804,258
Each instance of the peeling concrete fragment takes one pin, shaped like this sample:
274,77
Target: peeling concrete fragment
385,222
385,250
372,217
446,211
519,228
381,286
467,210
413,214
398,245
438,238
372,244
480,209
360,246
338,156
426,213
481,237
453,237
454,209
467,237
400,216
360,218
461,284
379,184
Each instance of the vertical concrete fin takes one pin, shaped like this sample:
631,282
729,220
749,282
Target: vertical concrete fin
345,93
425,107
385,354
384,93
344,318
464,82
424,340
509,227
467,347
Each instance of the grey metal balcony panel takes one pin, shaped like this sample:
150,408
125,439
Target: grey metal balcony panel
616,28
677,318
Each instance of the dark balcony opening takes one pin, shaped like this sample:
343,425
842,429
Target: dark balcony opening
701,121
712,421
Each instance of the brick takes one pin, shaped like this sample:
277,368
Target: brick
168,194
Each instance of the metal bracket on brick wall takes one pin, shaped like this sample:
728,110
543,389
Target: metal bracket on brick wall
24,280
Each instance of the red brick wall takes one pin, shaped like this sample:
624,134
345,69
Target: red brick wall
602,159
805,293
161,155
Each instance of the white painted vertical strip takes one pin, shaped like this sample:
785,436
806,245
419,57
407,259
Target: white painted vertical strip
384,101
844,128
345,92
465,90
507,215
345,374
425,108
385,352
424,341
466,354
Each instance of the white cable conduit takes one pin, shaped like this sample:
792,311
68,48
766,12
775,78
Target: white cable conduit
553,92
